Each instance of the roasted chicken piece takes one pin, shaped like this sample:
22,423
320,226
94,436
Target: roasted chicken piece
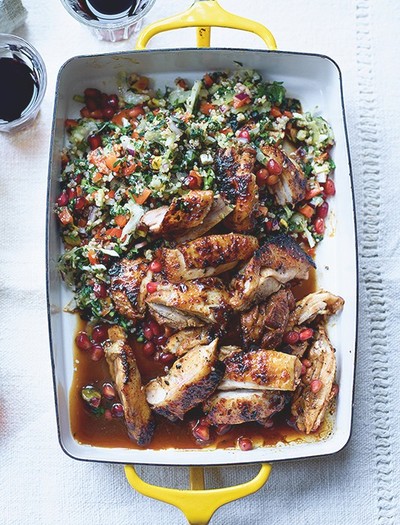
126,376
219,210
261,370
181,342
238,185
194,303
240,406
128,287
228,350
292,183
206,256
185,212
314,304
277,262
265,324
314,393
191,379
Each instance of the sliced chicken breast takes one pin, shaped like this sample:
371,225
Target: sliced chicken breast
292,184
265,324
194,303
128,287
185,340
206,256
126,376
191,379
219,210
261,370
185,212
314,393
277,262
317,303
238,185
240,406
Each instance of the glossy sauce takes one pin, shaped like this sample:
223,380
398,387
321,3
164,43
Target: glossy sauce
17,88
96,430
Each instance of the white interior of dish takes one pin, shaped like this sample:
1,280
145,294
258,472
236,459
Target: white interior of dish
315,80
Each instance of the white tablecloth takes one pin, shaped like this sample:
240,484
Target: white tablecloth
39,484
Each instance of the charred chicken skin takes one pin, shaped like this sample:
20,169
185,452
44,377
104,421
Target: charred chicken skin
191,379
314,393
126,376
278,261
261,370
240,406
265,324
184,213
292,183
128,290
195,303
237,184
206,256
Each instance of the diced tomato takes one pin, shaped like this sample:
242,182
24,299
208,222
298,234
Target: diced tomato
121,220
313,192
112,162
65,216
92,257
206,107
140,199
208,81
114,232
239,101
307,211
275,112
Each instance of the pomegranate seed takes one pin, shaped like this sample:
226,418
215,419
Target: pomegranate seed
245,444
71,192
100,290
319,225
223,429
148,332
92,93
108,391
96,353
305,334
161,340
273,167
94,141
113,101
306,363
149,348
262,176
268,226
96,114
92,104
303,370
330,188
80,203
63,199
117,410
85,113
166,358
155,266
315,385
82,341
291,338
322,211
202,433
335,389
155,328
244,135
100,333
151,287
108,112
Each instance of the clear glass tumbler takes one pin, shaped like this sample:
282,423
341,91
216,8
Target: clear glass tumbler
111,29
23,80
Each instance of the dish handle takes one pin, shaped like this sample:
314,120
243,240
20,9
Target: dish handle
203,14
198,504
